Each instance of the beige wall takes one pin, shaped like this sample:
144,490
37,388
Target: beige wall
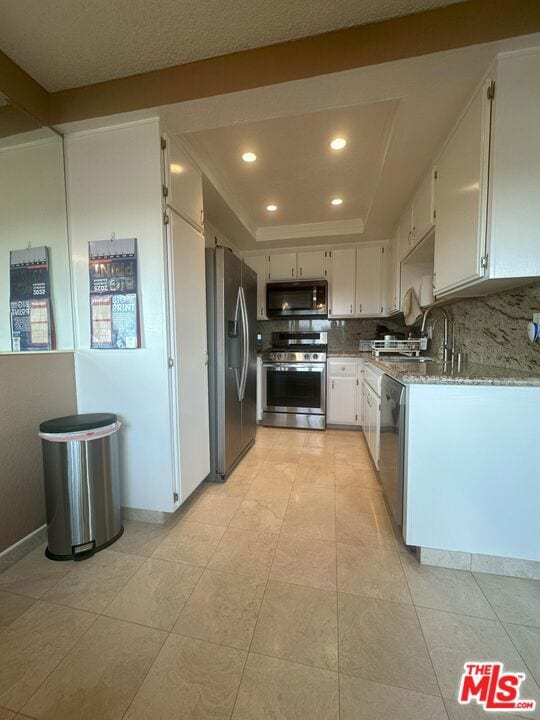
33,388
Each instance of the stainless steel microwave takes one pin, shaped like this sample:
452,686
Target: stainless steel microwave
306,298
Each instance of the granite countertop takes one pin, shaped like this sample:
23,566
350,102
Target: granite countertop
437,373
470,374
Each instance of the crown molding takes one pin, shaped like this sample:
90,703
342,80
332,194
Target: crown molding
306,230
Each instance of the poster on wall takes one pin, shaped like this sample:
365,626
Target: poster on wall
114,312
30,300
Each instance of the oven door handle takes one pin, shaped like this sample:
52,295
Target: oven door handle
283,367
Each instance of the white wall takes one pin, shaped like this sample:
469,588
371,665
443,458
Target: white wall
114,185
33,210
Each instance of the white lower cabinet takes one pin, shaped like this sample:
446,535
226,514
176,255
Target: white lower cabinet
371,410
343,379
372,421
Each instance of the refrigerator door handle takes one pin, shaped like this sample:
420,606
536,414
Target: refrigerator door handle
245,331
238,310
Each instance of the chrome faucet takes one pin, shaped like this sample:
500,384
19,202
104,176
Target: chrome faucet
446,346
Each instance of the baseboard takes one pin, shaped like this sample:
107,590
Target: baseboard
155,517
16,552
337,426
511,567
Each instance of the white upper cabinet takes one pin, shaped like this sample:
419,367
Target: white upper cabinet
514,223
405,232
486,242
182,182
342,282
369,280
311,264
282,266
460,198
258,264
392,276
423,208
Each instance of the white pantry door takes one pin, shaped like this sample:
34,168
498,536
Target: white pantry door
189,353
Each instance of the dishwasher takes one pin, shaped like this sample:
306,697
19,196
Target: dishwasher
392,445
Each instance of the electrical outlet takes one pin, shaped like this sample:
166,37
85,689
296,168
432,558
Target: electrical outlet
536,317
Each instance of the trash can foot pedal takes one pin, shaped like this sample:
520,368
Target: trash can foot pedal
83,552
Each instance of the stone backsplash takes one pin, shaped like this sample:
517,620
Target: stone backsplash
493,330
343,335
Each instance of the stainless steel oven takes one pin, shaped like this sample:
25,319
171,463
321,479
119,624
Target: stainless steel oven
297,299
294,382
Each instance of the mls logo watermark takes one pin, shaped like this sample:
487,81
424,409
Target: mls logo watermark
489,685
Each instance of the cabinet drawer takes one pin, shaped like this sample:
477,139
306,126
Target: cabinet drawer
372,377
342,368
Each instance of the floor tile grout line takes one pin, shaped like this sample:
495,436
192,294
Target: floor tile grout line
501,622
337,606
449,612
393,685
255,626
168,634
424,638
61,660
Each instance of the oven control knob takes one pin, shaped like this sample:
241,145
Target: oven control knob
306,356
316,357
278,356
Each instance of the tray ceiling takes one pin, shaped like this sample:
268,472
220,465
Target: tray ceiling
298,171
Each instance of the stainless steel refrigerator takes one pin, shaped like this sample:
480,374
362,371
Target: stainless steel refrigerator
231,288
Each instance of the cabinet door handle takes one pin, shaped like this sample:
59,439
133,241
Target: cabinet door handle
300,272
202,216
351,308
332,384
360,308
292,272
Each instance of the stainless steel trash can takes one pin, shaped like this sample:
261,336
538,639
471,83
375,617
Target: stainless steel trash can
82,484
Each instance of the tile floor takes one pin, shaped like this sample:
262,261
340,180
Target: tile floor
283,594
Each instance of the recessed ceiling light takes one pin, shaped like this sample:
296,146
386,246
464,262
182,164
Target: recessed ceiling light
337,201
249,157
271,207
338,143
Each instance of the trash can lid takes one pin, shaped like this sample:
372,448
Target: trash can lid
77,423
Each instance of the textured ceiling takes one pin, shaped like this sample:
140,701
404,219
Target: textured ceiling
69,43
295,168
